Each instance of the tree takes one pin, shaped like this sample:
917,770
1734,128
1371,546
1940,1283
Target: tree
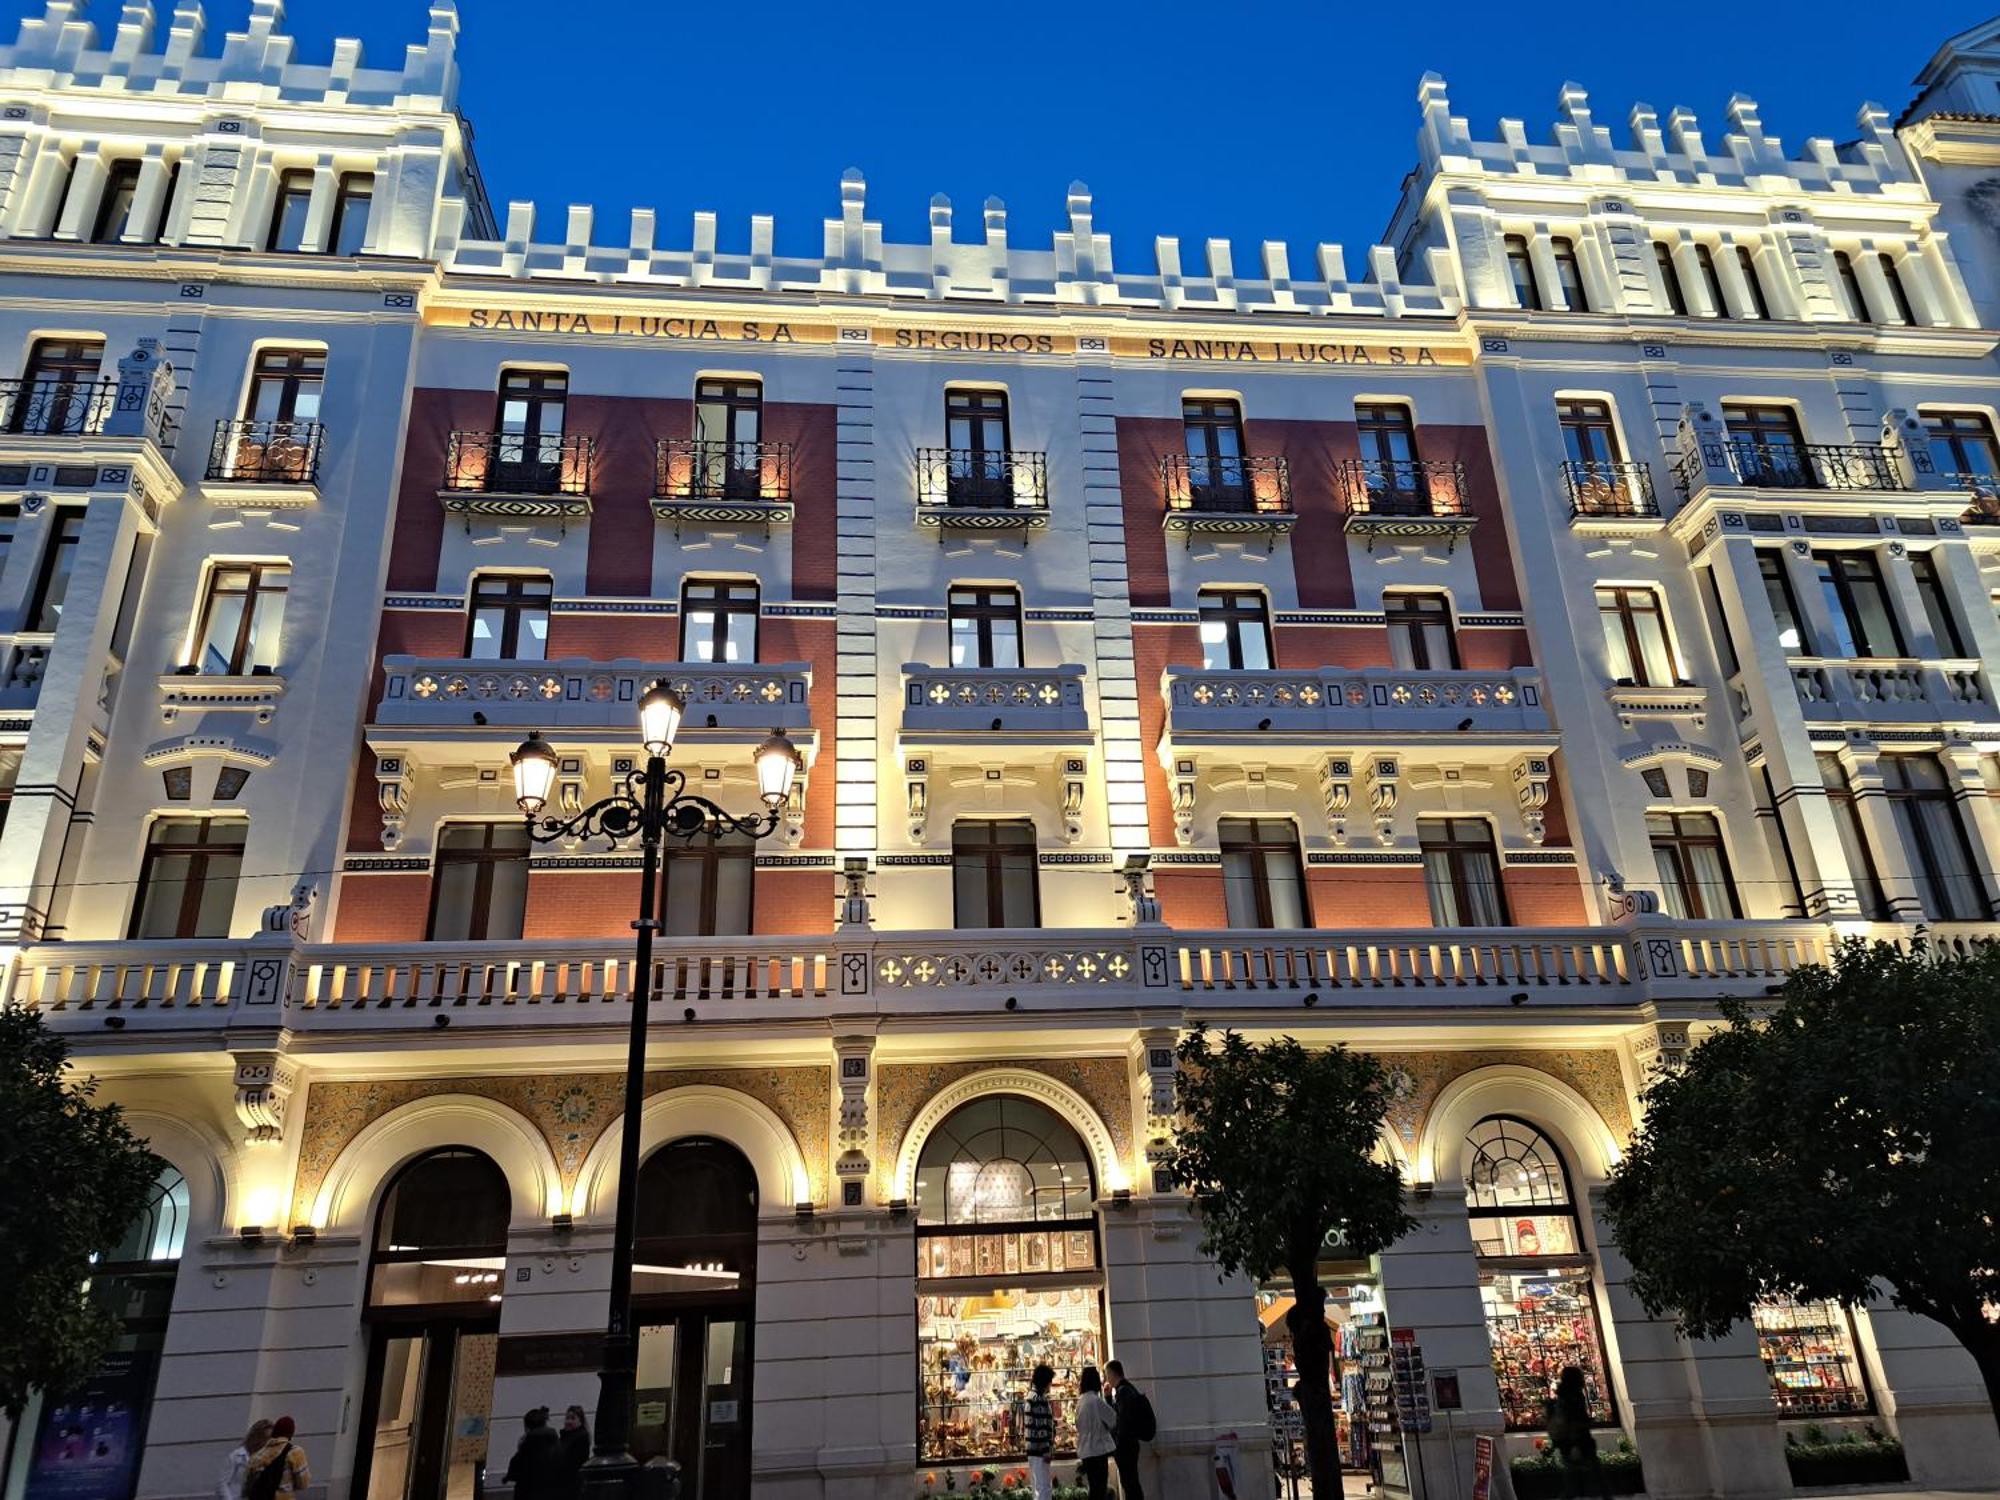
73,1177
1844,1142
1280,1146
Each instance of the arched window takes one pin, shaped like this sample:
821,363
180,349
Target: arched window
441,1233
1534,1271
1008,1275
697,1224
160,1231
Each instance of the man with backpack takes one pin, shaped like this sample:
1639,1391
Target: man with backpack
278,1468
1135,1426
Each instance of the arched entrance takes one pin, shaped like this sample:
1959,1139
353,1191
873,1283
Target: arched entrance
434,1287
694,1284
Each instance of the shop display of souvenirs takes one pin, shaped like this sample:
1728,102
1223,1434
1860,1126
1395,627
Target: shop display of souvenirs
1378,1396
1281,1375
1013,1252
1808,1349
1538,1325
975,1354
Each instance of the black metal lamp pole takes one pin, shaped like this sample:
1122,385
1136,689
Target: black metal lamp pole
646,806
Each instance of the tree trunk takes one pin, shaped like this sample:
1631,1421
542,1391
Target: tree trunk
1312,1352
1982,1342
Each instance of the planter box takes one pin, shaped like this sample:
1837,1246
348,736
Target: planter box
1541,1478
1819,1464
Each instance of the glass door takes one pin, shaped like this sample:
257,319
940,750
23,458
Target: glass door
693,1401
725,1415
428,1407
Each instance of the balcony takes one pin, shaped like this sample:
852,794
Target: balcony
1758,464
1893,689
700,483
974,489
1403,499
57,408
565,698
509,476
264,463
1305,708
1227,496
1613,496
1036,704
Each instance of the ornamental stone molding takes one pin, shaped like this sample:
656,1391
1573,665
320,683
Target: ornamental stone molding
1090,1094
264,1084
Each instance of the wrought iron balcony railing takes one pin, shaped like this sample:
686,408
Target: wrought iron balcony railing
1777,464
56,408
1404,487
982,478
1250,485
1609,489
513,463
265,452
746,473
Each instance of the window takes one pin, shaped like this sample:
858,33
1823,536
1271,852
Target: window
1212,433
242,618
289,211
1462,871
69,167
114,207
1521,266
1542,1316
1590,437
187,878
167,204
1635,636
440,1237
1940,855
1718,619
993,874
1704,259
58,563
1768,446
60,391
353,202
479,882
509,618
1670,278
1850,582
1693,866
1784,606
728,428
977,437
1898,297
10,519
1753,285
1937,604
985,627
705,885
1263,878
1808,1352
1569,274
528,453
285,385
1390,466
1235,630
1420,633
1870,903
718,621
1962,443
274,441
1850,286
1600,483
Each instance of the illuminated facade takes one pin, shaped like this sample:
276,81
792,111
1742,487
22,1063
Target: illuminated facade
1489,661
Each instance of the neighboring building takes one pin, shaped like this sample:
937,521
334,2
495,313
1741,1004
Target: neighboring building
1491,662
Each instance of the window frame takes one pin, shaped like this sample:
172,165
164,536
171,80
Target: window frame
1837,563
1409,624
992,854
1870,898
1899,296
1456,849
1521,270
513,595
1957,428
982,605
1622,606
1711,278
705,855
200,857
1746,263
286,191
1774,570
1850,286
350,188
120,175
1261,850
1219,604
484,859
1569,273
1676,842
1937,602
254,591
64,539
1670,278
293,369
1915,835
1589,414
727,604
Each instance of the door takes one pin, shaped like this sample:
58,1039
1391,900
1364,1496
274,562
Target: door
976,432
729,443
425,1413
692,1402
528,453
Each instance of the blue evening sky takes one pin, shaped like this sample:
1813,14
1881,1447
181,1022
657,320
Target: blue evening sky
1252,120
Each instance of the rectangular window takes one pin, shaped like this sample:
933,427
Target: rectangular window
1704,259
718,621
60,392
1870,904
1934,839
1521,267
705,885
274,441
353,202
1768,446
1263,877
114,207
1569,274
728,433
479,882
1851,584
1937,605
993,874
1718,620
243,618
1387,433
289,210
1962,443
1635,637
1212,434
1898,297
1462,871
509,618
1670,278
985,627
528,451
1753,284
1693,866
285,386
976,433
10,519
1420,633
1808,1351
1235,630
1850,286
167,204
58,564
1784,606
1590,437
187,878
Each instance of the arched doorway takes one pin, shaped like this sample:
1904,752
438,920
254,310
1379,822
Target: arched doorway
434,1286
1008,1276
694,1284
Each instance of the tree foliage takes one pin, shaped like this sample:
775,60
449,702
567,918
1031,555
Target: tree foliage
1843,1142
73,1177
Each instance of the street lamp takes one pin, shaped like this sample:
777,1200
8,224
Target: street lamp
655,804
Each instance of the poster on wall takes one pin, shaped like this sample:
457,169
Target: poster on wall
1482,1467
87,1445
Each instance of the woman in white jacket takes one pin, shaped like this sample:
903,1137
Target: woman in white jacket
230,1485
1096,1433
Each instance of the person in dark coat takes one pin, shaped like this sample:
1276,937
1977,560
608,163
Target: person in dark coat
575,1441
536,1470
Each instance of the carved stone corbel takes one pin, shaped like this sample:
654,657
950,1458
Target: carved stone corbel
264,1082
855,1070
1185,786
1073,783
1157,1073
1385,777
795,813
916,774
854,910
392,794
1336,790
1142,905
294,916
1531,789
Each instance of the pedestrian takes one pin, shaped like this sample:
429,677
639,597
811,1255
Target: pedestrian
575,1450
1096,1433
1039,1428
230,1485
277,1468
536,1470
1567,1418
1136,1425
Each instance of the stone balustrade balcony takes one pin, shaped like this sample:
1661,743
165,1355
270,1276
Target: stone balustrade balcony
1369,703
942,704
565,697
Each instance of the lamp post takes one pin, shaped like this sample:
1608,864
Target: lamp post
655,804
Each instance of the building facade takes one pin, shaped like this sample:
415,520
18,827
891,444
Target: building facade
1491,661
